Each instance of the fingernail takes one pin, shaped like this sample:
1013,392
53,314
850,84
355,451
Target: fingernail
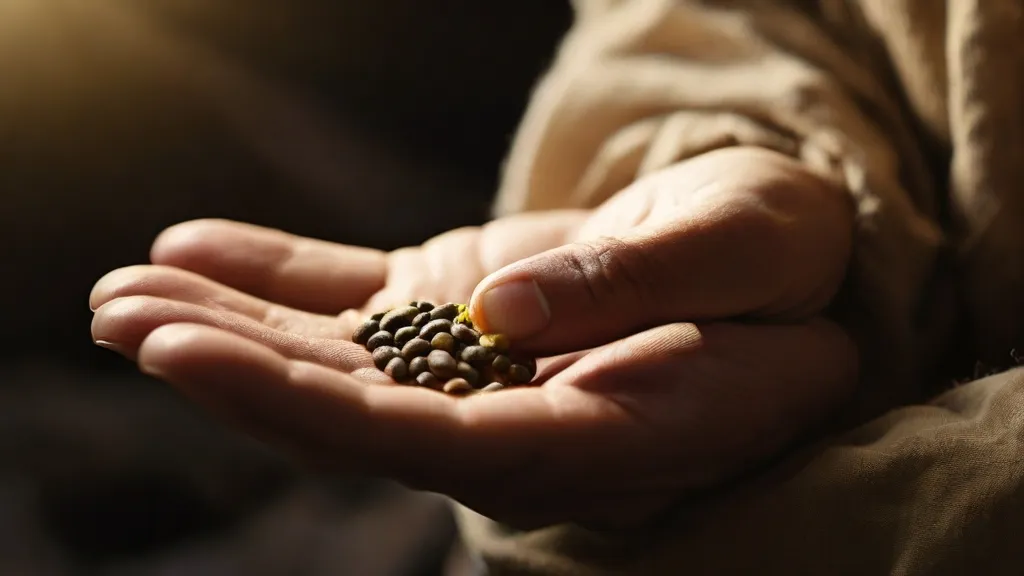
517,309
111,346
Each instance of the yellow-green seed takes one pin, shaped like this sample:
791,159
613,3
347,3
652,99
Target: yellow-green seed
496,342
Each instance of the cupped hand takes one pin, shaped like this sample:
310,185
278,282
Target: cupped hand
635,405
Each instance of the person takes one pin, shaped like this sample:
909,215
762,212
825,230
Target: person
756,243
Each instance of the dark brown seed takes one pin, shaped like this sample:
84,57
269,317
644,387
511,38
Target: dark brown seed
418,366
383,355
459,349
425,306
397,369
414,303
465,334
476,355
501,364
376,317
443,341
428,380
404,335
398,318
530,365
519,374
493,387
442,364
414,348
468,373
435,327
446,311
496,342
421,320
381,338
457,387
365,330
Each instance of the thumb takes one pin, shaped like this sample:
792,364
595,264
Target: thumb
588,293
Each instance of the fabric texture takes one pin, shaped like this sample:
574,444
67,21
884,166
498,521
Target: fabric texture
915,108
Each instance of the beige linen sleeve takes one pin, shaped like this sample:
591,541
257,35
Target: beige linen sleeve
879,97
640,84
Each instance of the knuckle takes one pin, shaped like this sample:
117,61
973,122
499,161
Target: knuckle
609,268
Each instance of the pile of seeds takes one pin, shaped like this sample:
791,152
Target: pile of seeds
436,347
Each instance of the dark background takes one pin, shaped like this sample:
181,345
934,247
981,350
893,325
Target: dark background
376,123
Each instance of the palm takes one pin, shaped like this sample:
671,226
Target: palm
254,324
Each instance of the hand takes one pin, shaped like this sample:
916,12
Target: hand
640,407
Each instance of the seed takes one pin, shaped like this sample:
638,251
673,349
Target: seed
457,387
397,369
446,311
404,335
364,331
476,355
465,334
519,374
418,366
377,317
443,341
428,380
398,318
442,364
497,342
381,338
421,320
501,364
468,373
425,306
493,387
414,303
463,316
383,355
414,348
529,363
435,327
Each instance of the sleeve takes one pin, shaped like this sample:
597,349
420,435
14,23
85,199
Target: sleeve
640,84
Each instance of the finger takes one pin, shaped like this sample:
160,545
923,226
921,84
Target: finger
721,396
772,244
417,436
303,273
177,284
447,267
124,323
